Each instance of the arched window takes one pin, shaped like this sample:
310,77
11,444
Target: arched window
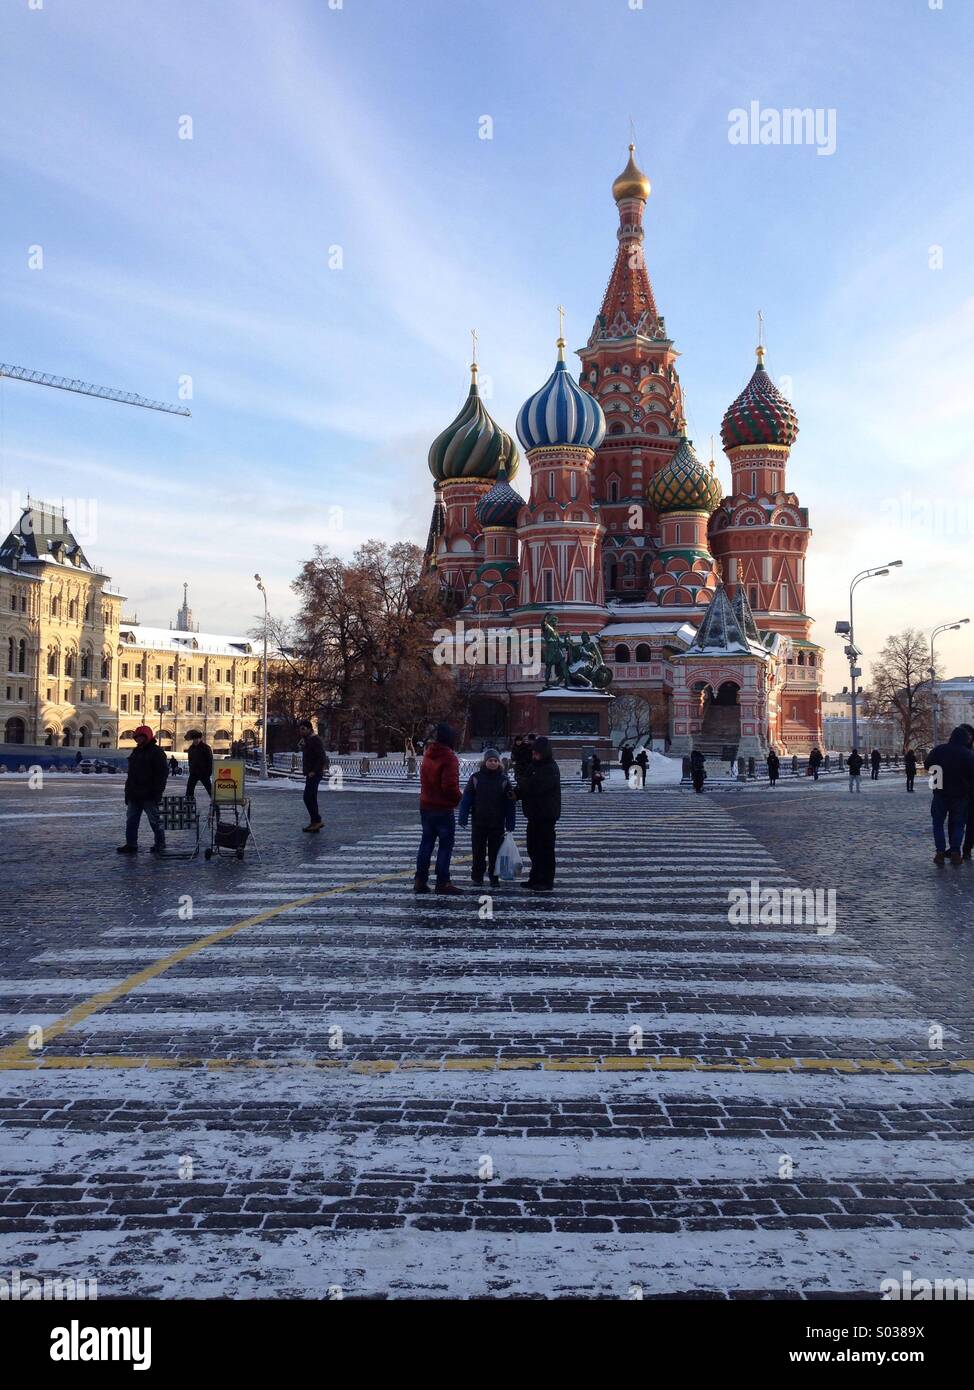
22,654
52,662
11,648
85,664
629,567
73,609
622,654
614,490
69,666
643,653
15,731
610,573
106,667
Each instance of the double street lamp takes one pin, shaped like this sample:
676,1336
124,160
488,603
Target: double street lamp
263,741
851,650
944,627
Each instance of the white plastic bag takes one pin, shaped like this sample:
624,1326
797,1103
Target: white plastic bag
509,861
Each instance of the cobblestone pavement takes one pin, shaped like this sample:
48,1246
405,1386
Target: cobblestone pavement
316,1081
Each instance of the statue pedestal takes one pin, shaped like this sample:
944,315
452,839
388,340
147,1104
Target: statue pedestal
576,721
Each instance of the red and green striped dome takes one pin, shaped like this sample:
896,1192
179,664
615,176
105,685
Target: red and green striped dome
760,415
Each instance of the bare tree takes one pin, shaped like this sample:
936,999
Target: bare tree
901,685
631,717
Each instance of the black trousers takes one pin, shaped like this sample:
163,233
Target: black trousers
191,785
485,841
968,845
541,851
909,780
874,775
311,797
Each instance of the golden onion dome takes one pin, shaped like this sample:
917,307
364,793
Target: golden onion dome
632,182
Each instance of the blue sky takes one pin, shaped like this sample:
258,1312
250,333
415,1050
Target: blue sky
316,390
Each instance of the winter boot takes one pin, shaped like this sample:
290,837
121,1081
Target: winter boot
448,890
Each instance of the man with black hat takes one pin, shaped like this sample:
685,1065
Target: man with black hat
144,787
539,792
200,761
439,794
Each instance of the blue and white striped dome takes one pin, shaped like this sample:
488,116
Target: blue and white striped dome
561,413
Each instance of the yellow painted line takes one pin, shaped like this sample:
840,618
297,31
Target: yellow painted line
383,1066
21,1051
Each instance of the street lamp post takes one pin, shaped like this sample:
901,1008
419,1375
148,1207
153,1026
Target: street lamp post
944,627
263,742
852,651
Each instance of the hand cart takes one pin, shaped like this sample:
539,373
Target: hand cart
230,828
179,813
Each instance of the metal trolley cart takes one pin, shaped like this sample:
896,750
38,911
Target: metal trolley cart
179,813
229,817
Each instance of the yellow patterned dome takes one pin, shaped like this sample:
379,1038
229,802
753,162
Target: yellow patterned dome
685,484
632,182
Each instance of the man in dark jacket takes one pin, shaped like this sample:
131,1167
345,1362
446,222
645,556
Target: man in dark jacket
313,767
520,756
910,767
875,761
625,760
144,787
815,762
199,757
774,767
855,768
951,767
698,770
595,773
642,762
540,795
489,798
439,794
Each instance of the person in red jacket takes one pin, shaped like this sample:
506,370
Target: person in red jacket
439,794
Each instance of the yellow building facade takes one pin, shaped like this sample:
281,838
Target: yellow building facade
76,674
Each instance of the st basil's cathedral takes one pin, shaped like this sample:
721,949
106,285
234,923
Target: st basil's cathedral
697,600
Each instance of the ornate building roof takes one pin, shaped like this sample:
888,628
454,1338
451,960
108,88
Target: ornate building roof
499,506
719,629
684,484
628,306
744,614
632,182
473,445
760,414
561,413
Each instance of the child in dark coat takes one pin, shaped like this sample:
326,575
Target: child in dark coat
489,798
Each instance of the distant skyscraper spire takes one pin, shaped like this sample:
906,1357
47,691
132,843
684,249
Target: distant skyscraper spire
184,618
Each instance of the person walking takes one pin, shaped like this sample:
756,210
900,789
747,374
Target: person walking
540,797
951,765
875,761
145,784
774,767
698,770
855,768
488,798
439,794
313,767
815,762
626,760
910,767
642,761
595,773
968,846
199,760
520,756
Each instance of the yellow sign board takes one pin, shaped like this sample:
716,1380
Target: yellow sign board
228,779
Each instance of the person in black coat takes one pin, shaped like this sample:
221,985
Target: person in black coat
313,758
951,766
595,773
520,757
774,767
910,768
539,793
489,798
199,758
626,760
854,765
642,762
144,787
815,762
875,759
698,770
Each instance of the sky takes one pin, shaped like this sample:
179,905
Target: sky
310,262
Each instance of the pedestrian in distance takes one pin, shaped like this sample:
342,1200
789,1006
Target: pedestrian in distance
488,800
698,770
951,767
642,762
173,767
520,756
814,762
875,761
855,768
79,758
145,785
199,759
774,767
439,795
626,760
540,797
313,767
910,767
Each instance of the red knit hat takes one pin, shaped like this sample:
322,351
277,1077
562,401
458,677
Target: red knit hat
143,729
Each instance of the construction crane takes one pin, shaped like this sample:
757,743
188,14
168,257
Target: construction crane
85,388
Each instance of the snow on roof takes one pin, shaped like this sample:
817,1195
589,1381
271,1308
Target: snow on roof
174,640
648,629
